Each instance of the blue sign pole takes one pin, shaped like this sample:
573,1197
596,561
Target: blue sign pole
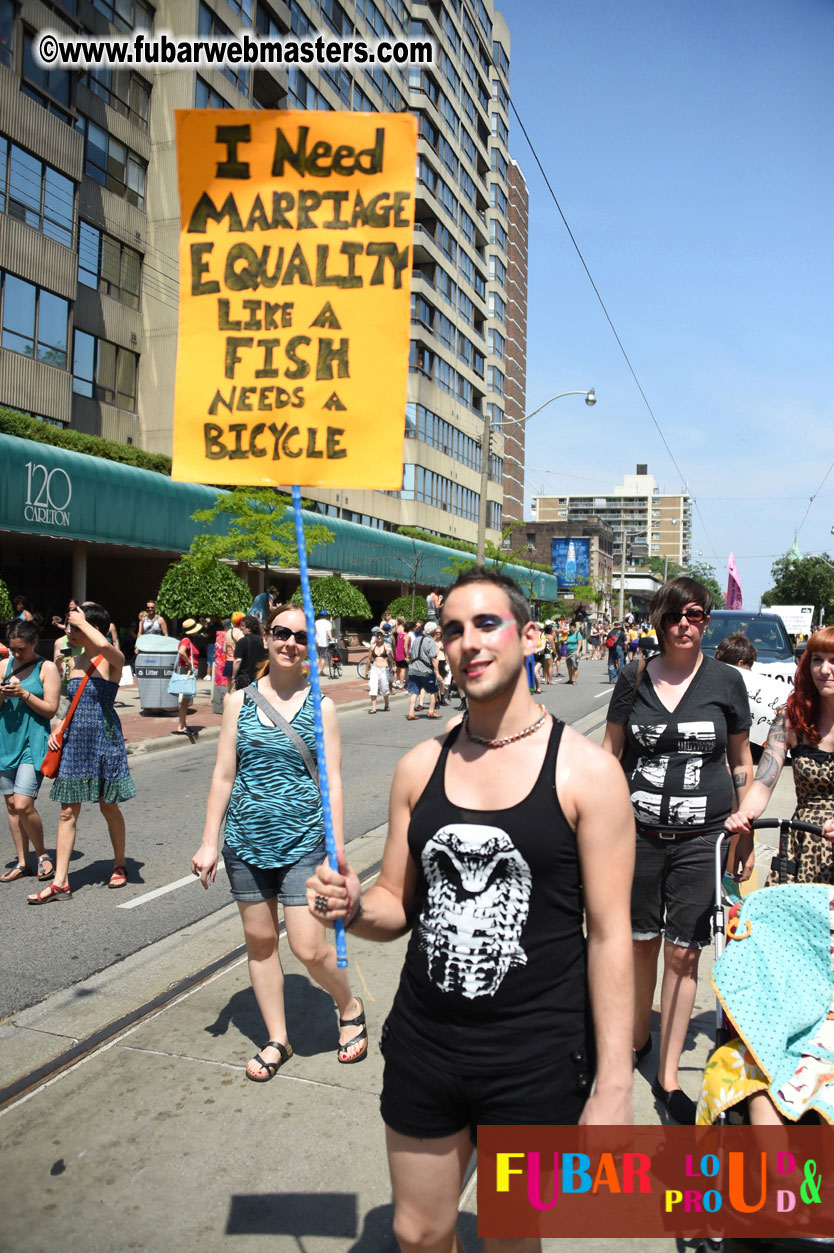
312,653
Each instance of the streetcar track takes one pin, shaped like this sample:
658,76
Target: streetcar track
82,1048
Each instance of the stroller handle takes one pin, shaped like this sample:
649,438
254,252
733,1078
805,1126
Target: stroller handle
786,824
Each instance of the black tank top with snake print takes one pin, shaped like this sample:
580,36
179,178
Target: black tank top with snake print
495,967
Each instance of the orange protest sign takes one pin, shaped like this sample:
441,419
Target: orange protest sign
295,290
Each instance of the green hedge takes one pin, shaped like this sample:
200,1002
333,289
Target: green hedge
21,425
466,546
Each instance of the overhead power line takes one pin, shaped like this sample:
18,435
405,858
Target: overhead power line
610,322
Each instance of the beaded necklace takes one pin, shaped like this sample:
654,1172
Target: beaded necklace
508,739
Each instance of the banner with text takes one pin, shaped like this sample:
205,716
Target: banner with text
295,291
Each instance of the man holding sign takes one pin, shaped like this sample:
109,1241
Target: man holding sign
502,837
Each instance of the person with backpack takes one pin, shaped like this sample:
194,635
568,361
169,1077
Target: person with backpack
615,646
422,671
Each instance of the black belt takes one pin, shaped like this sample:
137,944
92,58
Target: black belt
657,834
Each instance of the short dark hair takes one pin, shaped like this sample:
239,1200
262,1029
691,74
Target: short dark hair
251,623
96,615
22,629
672,598
735,650
480,574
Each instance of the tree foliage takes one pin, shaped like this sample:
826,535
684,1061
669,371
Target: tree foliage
335,594
408,607
196,586
803,581
260,530
6,607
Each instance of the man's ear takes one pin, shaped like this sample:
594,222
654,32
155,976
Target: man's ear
529,638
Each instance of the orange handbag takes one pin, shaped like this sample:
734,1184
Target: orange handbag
52,760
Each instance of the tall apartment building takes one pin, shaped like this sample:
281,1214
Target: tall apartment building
89,226
646,522
515,321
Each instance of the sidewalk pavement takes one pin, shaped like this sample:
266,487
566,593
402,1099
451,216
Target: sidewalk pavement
156,1141
148,731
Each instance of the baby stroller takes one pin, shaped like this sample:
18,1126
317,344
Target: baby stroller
781,864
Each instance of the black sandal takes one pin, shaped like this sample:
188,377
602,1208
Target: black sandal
358,1021
271,1068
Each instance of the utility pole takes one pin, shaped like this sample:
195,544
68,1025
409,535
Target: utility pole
486,448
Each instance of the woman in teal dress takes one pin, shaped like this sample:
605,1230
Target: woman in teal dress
93,762
29,693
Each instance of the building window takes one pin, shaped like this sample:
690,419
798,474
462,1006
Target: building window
210,26
104,371
6,32
35,193
108,265
127,93
34,321
205,97
126,15
51,88
111,164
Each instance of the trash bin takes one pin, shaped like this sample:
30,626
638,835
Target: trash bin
156,657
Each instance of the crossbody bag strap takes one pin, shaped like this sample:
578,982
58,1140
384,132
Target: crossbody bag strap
77,697
292,735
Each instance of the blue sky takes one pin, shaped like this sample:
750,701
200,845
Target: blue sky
689,144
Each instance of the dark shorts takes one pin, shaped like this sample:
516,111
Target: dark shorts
418,683
430,1101
288,883
673,889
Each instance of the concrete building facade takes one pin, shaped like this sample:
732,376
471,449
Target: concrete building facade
89,228
646,522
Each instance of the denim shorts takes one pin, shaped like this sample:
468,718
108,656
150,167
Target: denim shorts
24,780
288,883
418,683
673,888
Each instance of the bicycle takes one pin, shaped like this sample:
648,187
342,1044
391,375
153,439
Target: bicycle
334,661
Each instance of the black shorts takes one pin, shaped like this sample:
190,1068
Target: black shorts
425,1100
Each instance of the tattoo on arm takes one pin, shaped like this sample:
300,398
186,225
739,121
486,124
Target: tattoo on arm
739,779
770,767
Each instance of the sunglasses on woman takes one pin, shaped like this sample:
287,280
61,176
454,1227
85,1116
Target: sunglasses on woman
282,634
691,615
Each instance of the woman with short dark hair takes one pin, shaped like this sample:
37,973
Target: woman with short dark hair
679,723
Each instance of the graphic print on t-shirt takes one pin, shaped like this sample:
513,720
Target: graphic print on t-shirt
696,737
692,774
476,906
652,770
687,811
647,807
647,735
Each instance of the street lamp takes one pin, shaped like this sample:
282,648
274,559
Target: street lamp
486,448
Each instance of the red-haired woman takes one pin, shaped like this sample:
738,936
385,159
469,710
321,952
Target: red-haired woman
806,727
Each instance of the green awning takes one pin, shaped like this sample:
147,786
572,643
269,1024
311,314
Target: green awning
51,491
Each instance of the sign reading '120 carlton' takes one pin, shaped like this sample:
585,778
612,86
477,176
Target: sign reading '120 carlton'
295,290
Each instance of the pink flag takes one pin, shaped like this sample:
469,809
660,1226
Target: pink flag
733,585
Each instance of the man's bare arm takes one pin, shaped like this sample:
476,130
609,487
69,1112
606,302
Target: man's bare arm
594,795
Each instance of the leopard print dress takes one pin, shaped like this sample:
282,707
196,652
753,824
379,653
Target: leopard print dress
813,776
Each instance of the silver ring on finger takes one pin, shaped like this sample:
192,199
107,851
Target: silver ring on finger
321,905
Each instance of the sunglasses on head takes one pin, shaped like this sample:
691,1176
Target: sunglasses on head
282,634
691,615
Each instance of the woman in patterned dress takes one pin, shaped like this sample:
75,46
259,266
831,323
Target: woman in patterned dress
93,762
805,726
274,837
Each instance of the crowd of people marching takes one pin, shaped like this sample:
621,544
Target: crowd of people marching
540,876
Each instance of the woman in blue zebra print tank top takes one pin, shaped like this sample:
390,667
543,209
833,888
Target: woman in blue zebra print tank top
274,837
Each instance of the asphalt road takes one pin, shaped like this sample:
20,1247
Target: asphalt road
52,947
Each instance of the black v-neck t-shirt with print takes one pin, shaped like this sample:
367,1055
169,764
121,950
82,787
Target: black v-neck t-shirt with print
675,760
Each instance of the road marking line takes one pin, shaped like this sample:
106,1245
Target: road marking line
600,695
169,887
